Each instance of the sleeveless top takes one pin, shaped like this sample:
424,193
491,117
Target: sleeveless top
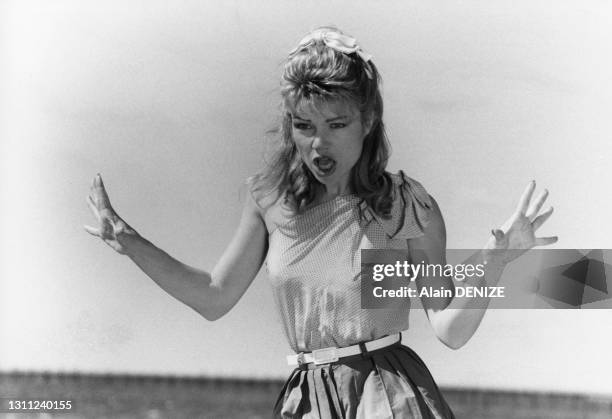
314,266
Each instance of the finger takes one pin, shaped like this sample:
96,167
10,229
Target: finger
525,198
94,183
541,219
98,180
100,193
537,205
92,207
544,241
92,230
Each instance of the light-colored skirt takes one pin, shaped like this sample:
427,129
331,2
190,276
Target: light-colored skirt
392,382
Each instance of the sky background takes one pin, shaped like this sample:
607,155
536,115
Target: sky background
170,101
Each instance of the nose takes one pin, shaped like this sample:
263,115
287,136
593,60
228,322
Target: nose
320,140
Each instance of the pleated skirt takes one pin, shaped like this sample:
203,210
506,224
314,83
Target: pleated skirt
392,382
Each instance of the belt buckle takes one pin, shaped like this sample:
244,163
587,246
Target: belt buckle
325,355
301,359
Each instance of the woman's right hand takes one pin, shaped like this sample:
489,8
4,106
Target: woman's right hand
111,228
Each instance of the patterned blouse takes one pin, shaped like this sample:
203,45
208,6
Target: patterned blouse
313,265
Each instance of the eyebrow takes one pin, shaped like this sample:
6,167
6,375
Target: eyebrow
327,120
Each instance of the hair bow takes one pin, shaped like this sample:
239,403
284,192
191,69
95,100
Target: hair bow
337,41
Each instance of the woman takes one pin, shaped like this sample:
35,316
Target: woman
323,198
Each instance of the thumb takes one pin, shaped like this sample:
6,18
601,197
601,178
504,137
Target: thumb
92,230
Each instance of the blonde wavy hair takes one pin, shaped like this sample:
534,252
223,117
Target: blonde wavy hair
315,73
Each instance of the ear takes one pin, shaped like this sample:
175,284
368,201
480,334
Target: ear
368,123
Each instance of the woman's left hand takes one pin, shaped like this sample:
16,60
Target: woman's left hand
517,235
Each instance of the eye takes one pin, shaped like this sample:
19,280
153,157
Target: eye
337,125
301,126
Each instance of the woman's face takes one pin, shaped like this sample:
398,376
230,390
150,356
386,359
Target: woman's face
329,138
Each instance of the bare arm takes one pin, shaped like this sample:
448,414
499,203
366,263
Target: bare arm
455,320
210,294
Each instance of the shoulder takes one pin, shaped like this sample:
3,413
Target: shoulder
431,243
264,202
410,188
435,228
258,196
413,209
422,207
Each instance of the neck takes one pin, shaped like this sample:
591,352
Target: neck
332,191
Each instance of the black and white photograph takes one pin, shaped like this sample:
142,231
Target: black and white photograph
316,209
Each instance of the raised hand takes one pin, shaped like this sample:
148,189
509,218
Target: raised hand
517,235
111,228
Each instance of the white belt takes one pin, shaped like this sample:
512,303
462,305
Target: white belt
333,354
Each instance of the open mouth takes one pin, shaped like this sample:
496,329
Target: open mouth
324,165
